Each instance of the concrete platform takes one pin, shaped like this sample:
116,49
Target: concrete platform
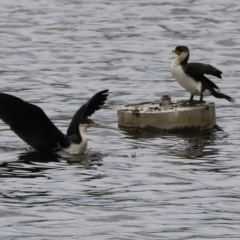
167,115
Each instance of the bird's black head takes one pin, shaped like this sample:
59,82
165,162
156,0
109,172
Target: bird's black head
181,49
86,122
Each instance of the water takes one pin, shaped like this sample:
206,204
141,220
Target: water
129,185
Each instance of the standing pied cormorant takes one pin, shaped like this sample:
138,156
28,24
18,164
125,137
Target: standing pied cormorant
191,76
33,126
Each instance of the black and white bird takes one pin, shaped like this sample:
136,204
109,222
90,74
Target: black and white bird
191,76
33,126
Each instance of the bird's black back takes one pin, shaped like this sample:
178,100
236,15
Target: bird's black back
193,69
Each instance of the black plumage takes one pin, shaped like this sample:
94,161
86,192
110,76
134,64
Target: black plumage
34,127
87,109
194,69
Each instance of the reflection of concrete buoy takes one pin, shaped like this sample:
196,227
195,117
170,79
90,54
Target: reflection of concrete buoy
169,116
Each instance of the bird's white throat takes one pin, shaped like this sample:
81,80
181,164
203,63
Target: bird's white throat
182,56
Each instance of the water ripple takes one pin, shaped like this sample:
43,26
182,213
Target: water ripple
129,185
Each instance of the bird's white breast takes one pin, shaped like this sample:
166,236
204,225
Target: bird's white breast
78,148
183,79
75,148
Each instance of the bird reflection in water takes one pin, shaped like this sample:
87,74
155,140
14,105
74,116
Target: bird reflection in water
35,164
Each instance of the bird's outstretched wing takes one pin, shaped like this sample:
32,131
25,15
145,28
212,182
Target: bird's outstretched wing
31,124
201,68
87,109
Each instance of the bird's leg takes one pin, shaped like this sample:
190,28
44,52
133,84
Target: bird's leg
191,98
201,98
191,101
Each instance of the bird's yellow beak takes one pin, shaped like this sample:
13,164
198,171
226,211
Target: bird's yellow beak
93,125
177,52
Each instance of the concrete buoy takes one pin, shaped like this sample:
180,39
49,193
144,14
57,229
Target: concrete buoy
165,115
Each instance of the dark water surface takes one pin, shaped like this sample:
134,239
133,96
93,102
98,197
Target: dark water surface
57,54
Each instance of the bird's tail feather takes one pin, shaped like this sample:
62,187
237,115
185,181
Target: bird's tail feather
222,95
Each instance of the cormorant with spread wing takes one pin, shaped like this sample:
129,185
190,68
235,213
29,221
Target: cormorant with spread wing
191,76
33,126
